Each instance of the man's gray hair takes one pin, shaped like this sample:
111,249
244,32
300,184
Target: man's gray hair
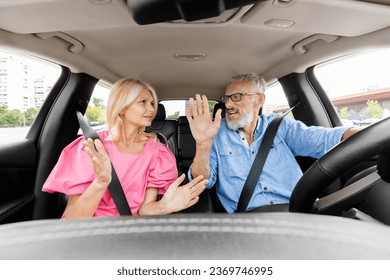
257,81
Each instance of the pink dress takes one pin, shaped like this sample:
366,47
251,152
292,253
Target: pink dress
154,167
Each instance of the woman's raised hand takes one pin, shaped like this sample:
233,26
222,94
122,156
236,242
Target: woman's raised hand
179,197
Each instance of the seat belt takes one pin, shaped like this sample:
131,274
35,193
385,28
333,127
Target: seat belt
258,163
115,186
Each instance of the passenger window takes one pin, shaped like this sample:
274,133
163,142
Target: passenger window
97,108
24,85
275,100
358,86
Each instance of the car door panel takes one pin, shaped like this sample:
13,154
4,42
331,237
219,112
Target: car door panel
17,170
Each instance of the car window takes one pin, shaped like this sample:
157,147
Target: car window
275,100
97,108
24,85
176,108
358,86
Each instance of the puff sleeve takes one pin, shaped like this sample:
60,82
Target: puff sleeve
73,172
163,171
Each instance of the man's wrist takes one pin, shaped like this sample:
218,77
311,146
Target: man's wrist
205,145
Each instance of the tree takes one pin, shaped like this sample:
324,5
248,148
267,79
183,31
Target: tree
343,114
12,118
98,102
30,115
211,107
3,109
95,115
374,109
175,115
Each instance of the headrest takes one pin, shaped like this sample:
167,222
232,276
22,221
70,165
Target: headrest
182,120
161,115
222,106
219,106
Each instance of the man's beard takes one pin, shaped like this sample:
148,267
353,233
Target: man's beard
245,120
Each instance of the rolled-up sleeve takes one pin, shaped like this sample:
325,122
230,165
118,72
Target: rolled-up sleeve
312,141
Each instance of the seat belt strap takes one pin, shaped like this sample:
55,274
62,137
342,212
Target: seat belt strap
115,186
258,163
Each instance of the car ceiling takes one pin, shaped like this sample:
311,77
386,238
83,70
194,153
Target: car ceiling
101,38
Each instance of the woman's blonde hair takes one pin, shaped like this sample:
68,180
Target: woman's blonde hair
122,94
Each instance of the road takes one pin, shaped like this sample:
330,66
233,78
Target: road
10,135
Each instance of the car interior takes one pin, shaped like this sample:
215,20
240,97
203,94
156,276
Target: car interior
338,210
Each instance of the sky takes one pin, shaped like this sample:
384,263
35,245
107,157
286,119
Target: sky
350,76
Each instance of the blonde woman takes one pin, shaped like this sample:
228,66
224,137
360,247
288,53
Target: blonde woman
145,167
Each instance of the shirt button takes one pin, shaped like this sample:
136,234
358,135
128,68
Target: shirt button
242,138
230,153
265,188
271,202
253,152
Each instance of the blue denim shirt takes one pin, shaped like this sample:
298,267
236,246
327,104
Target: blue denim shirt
231,159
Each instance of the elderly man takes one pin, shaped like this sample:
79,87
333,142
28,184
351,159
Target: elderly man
226,148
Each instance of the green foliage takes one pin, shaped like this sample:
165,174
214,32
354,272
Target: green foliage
98,102
343,114
175,115
30,115
374,109
95,115
13,118
3,109
211,107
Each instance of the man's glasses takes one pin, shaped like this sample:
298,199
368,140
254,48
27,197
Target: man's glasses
235,97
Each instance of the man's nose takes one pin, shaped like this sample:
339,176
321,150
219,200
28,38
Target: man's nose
229,103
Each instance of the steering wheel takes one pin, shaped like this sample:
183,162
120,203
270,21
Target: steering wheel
363,145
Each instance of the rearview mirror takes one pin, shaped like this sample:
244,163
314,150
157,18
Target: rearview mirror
155,11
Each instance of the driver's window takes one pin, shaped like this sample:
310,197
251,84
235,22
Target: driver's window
358,86
275,100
